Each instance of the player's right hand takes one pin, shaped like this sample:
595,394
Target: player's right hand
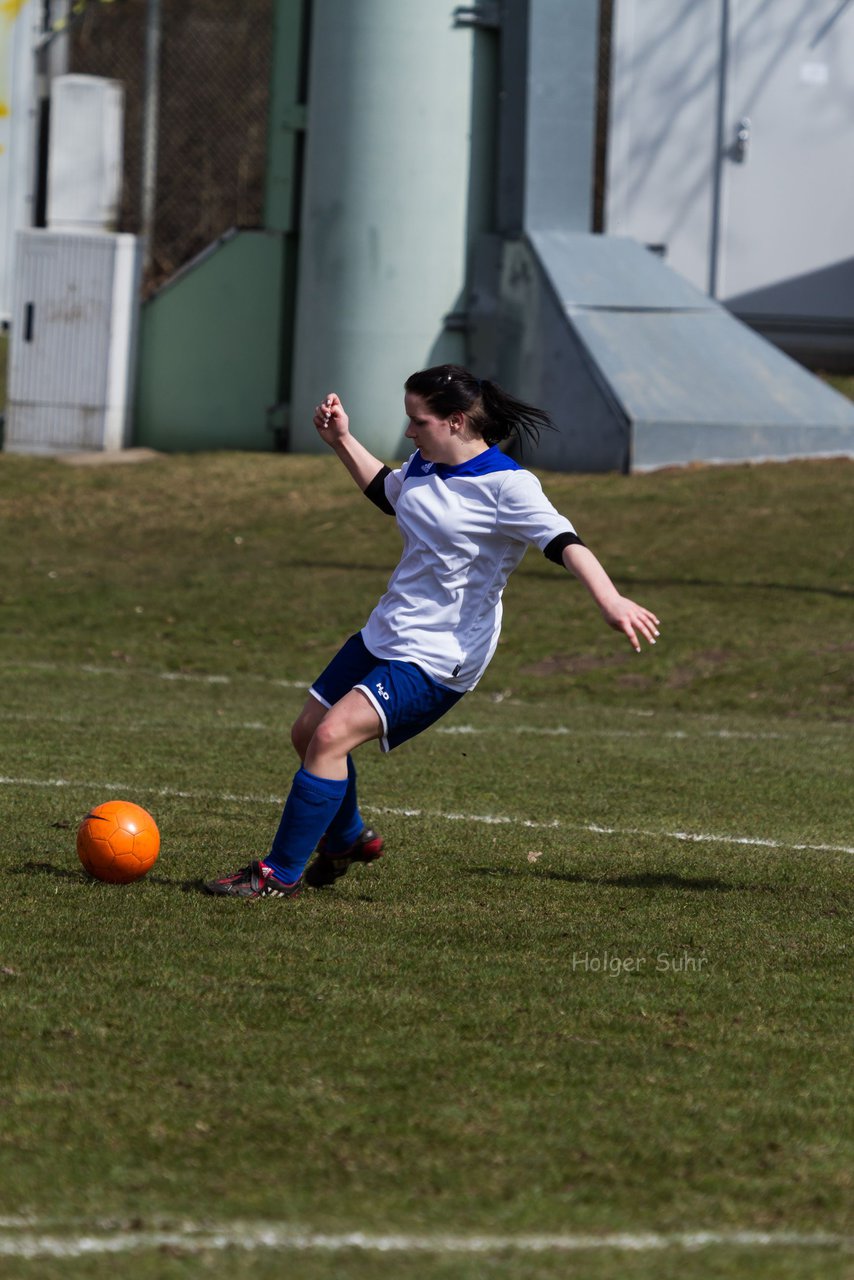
330,419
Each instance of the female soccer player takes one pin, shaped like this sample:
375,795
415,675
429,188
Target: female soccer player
467,513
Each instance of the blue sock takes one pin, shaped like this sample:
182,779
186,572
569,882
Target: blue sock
347,825
309,809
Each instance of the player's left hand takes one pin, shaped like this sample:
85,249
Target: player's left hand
633,620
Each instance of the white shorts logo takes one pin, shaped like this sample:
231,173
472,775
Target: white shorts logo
381,691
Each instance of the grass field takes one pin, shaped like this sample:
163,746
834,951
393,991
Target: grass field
595,1000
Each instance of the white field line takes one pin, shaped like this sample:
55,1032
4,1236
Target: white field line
213,678
576,731
141,725
486,819
29,1243
692,837
191,677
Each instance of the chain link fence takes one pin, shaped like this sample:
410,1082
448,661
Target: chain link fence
212,115
213,111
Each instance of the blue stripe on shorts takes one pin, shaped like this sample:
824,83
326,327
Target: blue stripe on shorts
405,698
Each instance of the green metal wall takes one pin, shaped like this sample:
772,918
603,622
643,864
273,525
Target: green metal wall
210,349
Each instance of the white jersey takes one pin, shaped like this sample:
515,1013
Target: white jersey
464,529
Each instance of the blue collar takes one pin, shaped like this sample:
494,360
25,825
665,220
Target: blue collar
482,464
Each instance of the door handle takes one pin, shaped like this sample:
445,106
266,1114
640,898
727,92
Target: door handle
738,150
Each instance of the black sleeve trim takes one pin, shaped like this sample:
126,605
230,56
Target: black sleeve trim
376,491
554,551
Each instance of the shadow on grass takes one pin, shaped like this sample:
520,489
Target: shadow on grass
642,880
795,588
192,886
628,579
186,886
78,874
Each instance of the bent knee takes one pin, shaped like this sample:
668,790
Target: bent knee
310,733
344,727
329,735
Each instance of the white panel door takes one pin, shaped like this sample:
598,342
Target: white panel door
786,217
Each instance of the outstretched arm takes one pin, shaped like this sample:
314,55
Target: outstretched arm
618,611
333,426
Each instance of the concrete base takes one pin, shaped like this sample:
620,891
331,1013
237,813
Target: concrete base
638,368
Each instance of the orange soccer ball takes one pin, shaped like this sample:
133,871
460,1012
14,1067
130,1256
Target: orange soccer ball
118,842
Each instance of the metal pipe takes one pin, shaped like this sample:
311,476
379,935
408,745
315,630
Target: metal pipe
720,157
383,238
150,120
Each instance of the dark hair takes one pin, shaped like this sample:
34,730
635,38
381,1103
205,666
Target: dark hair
492,413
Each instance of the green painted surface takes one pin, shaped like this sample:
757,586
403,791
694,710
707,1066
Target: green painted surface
287,114
210,348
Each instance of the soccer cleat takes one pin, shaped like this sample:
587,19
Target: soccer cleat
328,867
253,881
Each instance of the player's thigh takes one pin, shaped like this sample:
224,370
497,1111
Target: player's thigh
348,724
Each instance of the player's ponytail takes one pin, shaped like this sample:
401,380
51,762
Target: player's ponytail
492,412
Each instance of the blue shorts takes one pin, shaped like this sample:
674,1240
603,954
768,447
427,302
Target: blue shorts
404,697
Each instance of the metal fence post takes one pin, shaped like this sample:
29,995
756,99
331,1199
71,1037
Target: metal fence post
150,117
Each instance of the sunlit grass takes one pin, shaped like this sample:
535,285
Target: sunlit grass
600,983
